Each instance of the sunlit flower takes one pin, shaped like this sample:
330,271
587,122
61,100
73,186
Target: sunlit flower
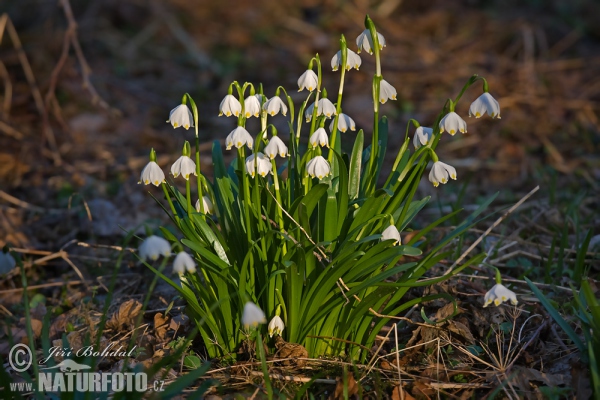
344,122
318,167
274,105
391,232
229,106
207,204
181,116
258,163
319,138
498,294
453,123
184,262
252,315
485,103
184,166
422,136
276,146
152,174
386,92
238,138
252,105
352,60
276,326
364,41
325,107
308,80
7,262
440,172
153,247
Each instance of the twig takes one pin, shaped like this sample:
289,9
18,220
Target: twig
45,285
7,87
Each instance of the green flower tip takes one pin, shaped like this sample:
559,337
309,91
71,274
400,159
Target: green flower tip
152,155
343,43
324,92
186,149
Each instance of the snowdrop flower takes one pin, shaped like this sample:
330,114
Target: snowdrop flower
276,146
344,122
252,315
238,138
276,326
439,173
498,294
391,232
7,262
352,60
258,163
181,116
230,106
252,105
324,107
274,105
364,41
184,166
207,205
319,138
308,80
386,92
453,123
318,167
422,136
485,103
152,174
153,247
184,262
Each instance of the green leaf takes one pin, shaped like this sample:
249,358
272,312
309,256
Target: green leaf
355,166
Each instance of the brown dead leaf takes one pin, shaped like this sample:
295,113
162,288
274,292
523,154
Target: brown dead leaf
461,329
161,324
400,394
350,384
422,389
125,315
179,321
19,333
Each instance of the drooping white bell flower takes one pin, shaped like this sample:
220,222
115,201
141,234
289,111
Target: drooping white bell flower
252,315
275,105
485,103
276,326
498,294
207,204
308,80
364,41
344,122
258,163
319,137
391,232
184,166
353,60
252,106
324,107
181,116
7,262
453,123
153,247
318,167
386,92
276,146
440,172
229,106
152,174
238,138
184,262
422,136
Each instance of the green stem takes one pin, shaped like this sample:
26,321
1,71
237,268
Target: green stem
338,106
168,196
278,197
263,364
188,195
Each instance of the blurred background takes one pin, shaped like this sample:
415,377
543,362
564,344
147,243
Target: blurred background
86,88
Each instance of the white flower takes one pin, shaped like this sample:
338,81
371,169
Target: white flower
344,122
324,107
352,60
498,294
422,136
260,164
318,167
153,247
207,204
7,262
439,173
308,80
181,116
230,106
184,166
274,105
238,138
184,262
252,105
386,92
485,103
319,138
276,326
391,232
365,41
276,146
152,174
453,123
252,315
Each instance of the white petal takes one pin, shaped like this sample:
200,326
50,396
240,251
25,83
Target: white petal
276,326
252,315
326,108
152,174
274,147
318,167
453,123
319,137
153,247
238,138
391,232
252,106
308,80
386,92
422,136
344,122
230,106
184,262
364,41
207,204
181,116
